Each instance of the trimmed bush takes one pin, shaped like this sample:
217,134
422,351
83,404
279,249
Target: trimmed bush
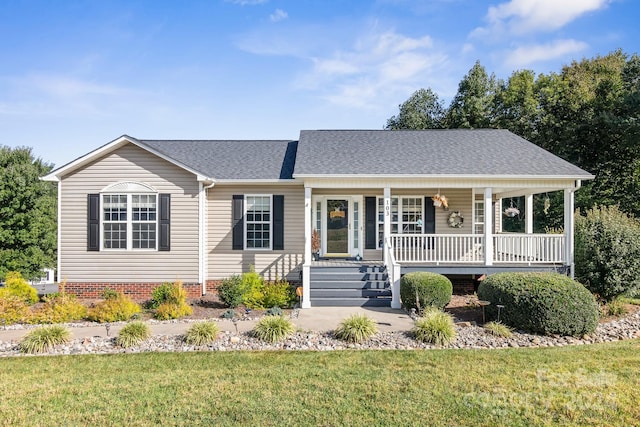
175,304
545,303
273,329
434,327
58,308
498,329
421,290
229,314
15,285
356,328
13,310
133,334
274,311
607,252
202,333
252,286
42,339
278,294
159,295
116,307
230,291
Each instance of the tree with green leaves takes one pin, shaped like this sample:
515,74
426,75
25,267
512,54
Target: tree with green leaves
27,214
423,110
472,107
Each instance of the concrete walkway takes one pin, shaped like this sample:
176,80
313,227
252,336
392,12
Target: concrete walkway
319,319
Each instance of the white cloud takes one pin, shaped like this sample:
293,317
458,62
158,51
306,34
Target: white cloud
278,15
526,55
374,70
527,16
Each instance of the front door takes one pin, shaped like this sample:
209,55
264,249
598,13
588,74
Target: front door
340,231
337,227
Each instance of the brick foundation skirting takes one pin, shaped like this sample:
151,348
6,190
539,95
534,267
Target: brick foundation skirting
137,291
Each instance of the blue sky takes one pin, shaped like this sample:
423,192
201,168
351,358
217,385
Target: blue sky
78,74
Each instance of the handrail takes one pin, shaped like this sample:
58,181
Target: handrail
393,272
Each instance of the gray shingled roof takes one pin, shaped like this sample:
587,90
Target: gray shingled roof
241,160
426,152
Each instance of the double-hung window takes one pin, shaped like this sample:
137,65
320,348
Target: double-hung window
129,221
258,221
406,216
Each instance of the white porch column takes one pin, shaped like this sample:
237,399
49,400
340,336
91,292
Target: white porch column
306,266
569,228
387,222
488,226
528,216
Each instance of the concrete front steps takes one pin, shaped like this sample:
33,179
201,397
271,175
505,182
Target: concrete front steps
350,286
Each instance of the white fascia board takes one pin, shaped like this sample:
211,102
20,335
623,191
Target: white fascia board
259,182
441,176
56,174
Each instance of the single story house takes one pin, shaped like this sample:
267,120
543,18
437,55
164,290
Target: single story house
342,212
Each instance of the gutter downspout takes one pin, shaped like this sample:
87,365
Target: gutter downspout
202,232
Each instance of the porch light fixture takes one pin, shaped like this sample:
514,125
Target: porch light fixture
440,200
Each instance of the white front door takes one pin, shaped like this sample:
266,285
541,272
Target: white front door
340,225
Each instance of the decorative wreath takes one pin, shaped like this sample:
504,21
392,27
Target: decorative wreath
455,219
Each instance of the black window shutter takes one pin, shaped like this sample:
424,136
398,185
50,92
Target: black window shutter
238,222
93,222
429,214
371,221
165,223
278,223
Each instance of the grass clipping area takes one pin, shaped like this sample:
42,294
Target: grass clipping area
583,385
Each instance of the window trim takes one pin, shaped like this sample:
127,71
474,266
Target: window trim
246,222
399,222
129,221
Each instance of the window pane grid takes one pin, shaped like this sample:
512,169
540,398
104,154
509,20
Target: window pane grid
129,221
258,222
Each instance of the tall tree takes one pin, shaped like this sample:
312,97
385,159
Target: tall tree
423,110
472,105
515,104
27,214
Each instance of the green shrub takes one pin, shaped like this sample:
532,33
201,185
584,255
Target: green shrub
202,333
278,294
133,334
274,311
498,329
13,310
434,327
546,303
230,291
252,286
273,328
356,328
42,339
229,314
607,252
615,307
15,285
58,308
175,304
114,309
160,295
421,290
109,293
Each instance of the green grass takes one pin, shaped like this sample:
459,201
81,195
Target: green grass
582,385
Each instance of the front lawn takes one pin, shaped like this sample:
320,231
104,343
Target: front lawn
578,385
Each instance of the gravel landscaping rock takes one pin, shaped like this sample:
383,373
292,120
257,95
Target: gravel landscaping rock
469,336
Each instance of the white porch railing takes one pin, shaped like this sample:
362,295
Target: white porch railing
469,248
438,248
394,272
529,248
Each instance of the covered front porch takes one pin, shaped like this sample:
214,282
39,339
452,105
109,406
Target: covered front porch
398,226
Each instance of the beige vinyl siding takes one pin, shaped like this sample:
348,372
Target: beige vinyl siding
223,261
130,163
